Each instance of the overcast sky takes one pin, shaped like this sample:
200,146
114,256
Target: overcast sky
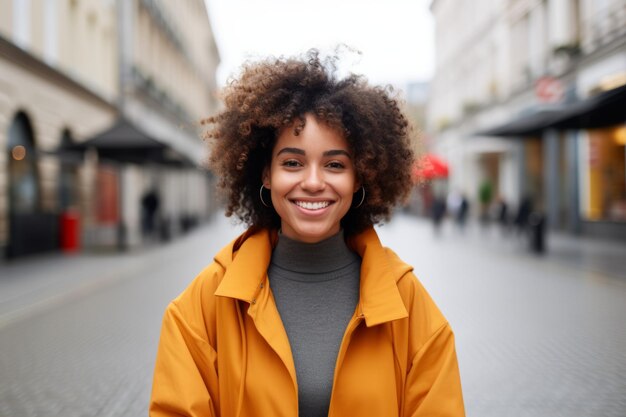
395,37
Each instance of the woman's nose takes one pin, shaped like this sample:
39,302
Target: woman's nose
313,179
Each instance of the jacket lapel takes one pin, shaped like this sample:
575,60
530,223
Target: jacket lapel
246,261
380,299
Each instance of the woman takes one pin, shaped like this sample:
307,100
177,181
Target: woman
306,313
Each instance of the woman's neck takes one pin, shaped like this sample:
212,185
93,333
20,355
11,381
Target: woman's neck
321,257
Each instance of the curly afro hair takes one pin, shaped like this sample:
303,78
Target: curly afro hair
277,93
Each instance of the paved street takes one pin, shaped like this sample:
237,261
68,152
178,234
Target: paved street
536,336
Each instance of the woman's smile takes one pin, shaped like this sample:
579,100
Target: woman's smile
312,205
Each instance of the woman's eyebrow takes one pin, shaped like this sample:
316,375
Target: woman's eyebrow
291,150
336,152
298,151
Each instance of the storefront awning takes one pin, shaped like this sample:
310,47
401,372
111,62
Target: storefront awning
429,167
125,142
606,109
526,125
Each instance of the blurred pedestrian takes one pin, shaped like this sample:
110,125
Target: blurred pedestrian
150,207
438,213
453,202
461,215
501,213
306,313
523,212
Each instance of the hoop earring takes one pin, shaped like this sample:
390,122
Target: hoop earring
362,198
261,196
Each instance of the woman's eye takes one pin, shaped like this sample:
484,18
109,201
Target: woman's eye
291,163
335,165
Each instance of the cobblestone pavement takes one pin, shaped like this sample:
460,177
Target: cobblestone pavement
535,336
92,353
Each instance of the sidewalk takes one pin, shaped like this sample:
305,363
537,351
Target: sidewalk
33,284
601,256
597,257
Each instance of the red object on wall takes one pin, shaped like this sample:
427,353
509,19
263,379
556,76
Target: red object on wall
70,231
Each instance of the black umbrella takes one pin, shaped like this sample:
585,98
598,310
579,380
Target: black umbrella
124,142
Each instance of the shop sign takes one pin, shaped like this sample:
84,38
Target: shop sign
549,90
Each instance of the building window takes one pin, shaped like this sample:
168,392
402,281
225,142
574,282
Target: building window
51,49
521,40
21,22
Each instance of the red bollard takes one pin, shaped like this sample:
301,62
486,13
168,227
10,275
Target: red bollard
70,231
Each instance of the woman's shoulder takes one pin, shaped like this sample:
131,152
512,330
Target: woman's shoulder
195,309
204,284
230,260
386,262
420,306
194,303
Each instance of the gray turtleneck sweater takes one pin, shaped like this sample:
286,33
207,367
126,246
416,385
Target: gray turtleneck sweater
316,288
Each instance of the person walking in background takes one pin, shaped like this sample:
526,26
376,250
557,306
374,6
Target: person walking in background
457,207
150,207
461,214
453,202
438,213
522,215
306,313
501,214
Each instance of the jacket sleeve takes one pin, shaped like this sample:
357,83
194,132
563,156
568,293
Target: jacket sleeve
185,376
433,384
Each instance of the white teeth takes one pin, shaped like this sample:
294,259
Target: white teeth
312,205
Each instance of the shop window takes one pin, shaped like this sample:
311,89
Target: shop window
534,172
566,183
607,174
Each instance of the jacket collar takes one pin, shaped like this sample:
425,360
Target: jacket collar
245,261
381,269
247,258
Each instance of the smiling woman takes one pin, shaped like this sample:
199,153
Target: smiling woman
306,313
272,98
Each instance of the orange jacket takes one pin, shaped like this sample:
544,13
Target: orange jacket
224,351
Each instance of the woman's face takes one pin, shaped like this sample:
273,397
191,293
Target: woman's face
312,179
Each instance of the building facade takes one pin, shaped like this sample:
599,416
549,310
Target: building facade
67,81
507,77
167,64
